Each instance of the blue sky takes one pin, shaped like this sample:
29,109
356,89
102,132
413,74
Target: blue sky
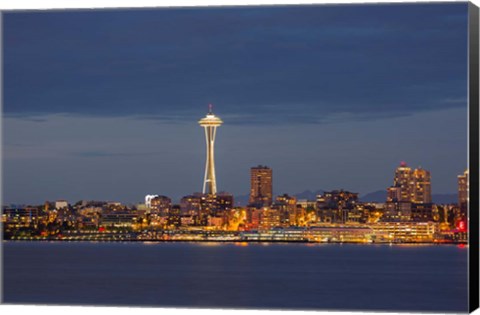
105,104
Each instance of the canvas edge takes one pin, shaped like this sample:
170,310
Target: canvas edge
473,96
1,146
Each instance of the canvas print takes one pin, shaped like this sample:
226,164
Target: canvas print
309,157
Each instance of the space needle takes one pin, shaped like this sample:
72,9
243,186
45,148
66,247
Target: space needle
210,124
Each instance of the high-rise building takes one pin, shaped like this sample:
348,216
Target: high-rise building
463,189
410,197
410,185
404,180
260,186
422,189
210,124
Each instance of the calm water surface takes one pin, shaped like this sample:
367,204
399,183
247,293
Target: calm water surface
287,276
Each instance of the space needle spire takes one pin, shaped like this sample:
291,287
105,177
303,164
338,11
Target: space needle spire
210,124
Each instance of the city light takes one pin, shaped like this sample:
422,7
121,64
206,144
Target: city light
408,214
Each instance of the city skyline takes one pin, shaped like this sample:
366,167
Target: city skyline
307,97
406,215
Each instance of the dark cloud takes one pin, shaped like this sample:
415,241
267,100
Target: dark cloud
263,61
104,104
109,154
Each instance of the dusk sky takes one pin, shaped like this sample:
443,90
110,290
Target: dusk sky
104,104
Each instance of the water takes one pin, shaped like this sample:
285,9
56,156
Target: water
275,276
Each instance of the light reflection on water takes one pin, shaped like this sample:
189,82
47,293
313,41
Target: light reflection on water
238,275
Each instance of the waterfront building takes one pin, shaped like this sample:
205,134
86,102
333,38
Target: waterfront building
260,186
278,234
460,233
318,233
160,205
21,216
405,231
118,219
340,233
210,124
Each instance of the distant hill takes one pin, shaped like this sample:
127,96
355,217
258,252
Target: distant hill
445,198
376,196
381,196
309,195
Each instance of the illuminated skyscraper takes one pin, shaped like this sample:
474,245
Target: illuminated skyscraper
422,189
210,124
260,186
404,180
410,197
463,191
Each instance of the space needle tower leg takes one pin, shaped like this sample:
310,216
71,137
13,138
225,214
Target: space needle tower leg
210,124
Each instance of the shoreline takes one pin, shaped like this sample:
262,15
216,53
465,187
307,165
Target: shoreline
235,242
